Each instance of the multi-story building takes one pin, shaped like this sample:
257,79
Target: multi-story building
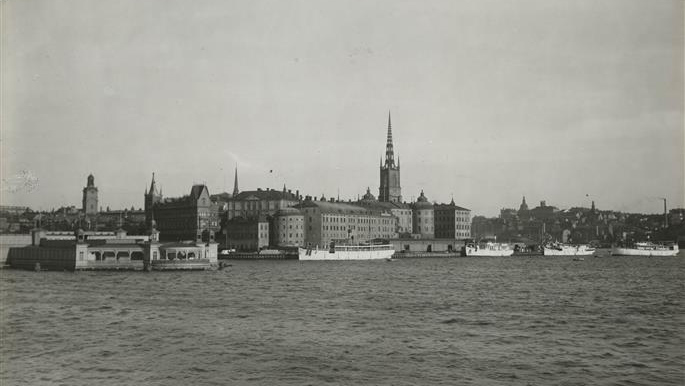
423,215
330,221
452,221
90,197
287,228
260,202
401,211
390,189
189,217
246,234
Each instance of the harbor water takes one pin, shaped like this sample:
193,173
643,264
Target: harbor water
467,321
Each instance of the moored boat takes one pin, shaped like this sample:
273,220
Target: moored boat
348,252
567,250
487,249
647,248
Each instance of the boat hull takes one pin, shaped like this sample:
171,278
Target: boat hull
470,251
327,255
580,250
643,252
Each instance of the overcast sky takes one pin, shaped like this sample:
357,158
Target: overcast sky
563,101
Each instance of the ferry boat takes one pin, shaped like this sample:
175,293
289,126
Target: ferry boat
647,248
567,250
487,249
348,252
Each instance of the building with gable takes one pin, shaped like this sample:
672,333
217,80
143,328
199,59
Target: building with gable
190,217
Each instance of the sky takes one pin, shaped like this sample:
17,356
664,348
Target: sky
563,101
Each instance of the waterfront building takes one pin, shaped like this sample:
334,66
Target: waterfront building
452,221
260,202
83,250
183,218
247,234
390,189
423,215
330,221
401,211
90,197
287,228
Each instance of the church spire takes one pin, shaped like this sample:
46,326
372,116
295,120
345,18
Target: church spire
389,151
153,186
235,183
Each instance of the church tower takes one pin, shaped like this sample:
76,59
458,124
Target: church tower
390,190
90,197
152,197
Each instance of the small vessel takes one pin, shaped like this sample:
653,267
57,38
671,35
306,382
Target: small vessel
558,249
488,248
647,248
348,252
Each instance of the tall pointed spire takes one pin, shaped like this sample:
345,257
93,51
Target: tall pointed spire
235,183
389,151
153,186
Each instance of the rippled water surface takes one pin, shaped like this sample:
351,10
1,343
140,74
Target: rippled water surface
480,321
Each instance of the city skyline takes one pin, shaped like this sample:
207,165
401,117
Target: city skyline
489,101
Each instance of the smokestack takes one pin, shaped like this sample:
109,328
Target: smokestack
665,215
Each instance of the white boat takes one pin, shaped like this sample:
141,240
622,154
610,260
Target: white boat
647,248
487,249
348,252
567,250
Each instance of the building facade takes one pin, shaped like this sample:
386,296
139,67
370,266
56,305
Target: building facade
260,202
329,221
423,218
401,211
287,228
452,221
247,234
190,217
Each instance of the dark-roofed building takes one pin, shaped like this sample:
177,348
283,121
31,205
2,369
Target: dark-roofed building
184,218
452,221
401,211
260,202
329,221
247,234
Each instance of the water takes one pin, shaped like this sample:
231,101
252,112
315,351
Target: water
470,321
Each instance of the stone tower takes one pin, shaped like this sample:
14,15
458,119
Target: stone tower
90,197
390,190
153,196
